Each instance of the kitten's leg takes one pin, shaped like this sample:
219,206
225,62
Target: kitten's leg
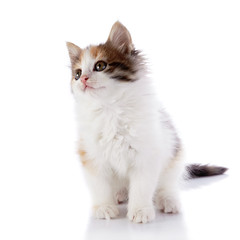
104,205
167,193
100,185
143,182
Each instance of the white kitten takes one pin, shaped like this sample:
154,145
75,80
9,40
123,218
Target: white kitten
128,146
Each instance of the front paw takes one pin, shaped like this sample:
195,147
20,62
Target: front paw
105,211
168,204
141,215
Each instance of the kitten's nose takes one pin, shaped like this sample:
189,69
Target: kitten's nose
84,78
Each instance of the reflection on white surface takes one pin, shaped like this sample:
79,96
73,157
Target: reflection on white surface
165,227
196,218
202,182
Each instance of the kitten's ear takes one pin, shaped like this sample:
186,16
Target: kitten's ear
74,52
120,38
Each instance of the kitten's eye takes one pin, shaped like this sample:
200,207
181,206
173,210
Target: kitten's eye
78,74
100,66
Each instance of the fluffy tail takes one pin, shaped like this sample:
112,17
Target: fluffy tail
198,170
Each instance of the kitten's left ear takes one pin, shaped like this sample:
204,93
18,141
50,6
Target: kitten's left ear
74,52
120,38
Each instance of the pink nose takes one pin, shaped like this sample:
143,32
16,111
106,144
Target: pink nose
84,78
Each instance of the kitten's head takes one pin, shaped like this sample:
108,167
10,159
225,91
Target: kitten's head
106,67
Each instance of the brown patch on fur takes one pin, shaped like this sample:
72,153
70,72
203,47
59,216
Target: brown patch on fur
113,55
120,66
108,52
95,51
123,61
82,155
86,162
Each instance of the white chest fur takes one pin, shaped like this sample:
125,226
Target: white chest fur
110,135
116,132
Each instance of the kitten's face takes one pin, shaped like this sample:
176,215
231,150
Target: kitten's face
104,67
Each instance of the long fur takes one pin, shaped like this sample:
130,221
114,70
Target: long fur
127,143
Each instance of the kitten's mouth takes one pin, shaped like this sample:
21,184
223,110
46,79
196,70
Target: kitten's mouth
87,87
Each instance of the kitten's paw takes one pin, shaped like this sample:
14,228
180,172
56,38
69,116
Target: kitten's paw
122,195
105,211
168,204
141,215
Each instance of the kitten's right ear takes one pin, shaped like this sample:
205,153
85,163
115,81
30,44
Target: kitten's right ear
74,52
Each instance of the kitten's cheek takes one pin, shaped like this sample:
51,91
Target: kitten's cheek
78,86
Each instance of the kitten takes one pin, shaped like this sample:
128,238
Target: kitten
128,147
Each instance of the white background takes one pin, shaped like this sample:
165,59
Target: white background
193,49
